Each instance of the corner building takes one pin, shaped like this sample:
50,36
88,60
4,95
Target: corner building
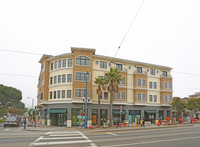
145,89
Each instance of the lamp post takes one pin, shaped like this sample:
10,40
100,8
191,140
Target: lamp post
87,75
32,105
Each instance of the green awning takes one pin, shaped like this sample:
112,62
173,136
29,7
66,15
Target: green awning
150,111
56,111
118,112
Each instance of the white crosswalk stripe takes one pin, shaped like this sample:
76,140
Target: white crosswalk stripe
62,138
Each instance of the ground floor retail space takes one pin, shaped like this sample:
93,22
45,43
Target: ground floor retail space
74,114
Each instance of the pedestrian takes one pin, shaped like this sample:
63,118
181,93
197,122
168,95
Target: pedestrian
25,123
22,122
143,123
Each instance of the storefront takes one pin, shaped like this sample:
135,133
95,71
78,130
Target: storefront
58,117
103,116
116,116
150,115
134,114
77,118
161,115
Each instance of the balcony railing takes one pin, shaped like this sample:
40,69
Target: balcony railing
165,76
139,72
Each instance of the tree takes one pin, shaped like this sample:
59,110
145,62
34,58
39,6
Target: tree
193,105
100,82
112,78
10,98
179,105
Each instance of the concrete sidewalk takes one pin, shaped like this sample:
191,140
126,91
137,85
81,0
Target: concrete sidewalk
56,128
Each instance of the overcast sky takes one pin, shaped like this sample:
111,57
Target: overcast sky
165,32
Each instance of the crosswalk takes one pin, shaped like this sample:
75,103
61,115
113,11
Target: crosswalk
69,138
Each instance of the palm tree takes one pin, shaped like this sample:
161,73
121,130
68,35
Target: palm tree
100,82
112,78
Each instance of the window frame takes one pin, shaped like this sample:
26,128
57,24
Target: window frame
83,61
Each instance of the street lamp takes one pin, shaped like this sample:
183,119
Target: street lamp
87,75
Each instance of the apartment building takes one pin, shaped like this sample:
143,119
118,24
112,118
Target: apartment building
145,89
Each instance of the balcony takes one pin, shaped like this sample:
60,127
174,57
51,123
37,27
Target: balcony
140,72
165,76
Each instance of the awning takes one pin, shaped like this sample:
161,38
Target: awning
118,112
151,111
56,111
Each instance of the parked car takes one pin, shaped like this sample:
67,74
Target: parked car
11,121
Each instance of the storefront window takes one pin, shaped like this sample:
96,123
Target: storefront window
161,115
103,116
133,115
77,117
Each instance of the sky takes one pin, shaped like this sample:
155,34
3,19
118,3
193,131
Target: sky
165,32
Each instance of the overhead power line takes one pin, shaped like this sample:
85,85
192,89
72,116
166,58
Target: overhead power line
6,50
193,74
7,74
129,27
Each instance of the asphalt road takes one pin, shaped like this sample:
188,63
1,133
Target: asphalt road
151,137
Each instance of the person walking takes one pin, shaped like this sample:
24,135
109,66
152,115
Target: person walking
143,123
24,123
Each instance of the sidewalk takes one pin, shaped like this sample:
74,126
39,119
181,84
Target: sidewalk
56,128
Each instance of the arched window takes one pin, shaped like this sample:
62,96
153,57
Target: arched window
83,60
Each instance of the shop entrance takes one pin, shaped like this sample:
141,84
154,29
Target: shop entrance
150,115
57,119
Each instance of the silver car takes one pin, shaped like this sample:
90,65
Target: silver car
11,121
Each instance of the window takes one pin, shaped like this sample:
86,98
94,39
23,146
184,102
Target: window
123,80
82,60
103,64
43,67
139,96
119,66
55,65
150,98
81,93
69,78
59,64
96,62
81,76
63,78
152,72
63,93
117,95
160,85
52,66
161,98
59,78
143,97
155,98
55,79
164,73
150,85
165,98
69,62
105,95
154,85
170,98
69,94
54,94
139,69
58,94
42,83
51,80
41,96
169,85
50,95
138,82
64,63
165,85
123,95
143,83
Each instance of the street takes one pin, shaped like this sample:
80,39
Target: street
149,137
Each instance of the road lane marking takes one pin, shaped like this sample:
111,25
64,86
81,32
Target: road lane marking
110,133
151,142
93,145
64,135
61,142
61,138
